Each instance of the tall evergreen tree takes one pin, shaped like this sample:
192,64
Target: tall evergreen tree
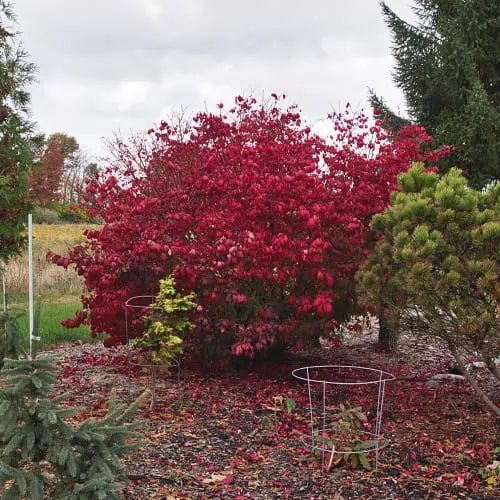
16,134
448,68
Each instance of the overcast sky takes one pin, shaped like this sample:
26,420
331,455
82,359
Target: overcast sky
109,65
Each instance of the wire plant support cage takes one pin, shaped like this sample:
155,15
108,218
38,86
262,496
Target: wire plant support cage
143,302
321,383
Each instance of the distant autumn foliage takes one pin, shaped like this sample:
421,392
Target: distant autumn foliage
46,179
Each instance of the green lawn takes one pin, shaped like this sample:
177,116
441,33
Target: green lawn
54,310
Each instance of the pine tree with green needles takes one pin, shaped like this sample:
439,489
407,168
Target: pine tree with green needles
10,336
16,135
42,456
448,68
436,269
99,446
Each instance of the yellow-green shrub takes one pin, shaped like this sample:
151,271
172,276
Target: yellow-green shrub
166,323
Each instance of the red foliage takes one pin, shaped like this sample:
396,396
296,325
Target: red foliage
46,178
264,219
45,181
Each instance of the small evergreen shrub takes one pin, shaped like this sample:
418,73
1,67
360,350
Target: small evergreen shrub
166,323
437,267
165,326
42,456
10,336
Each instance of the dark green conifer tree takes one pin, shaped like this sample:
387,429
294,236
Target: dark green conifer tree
448,68
10,336
16,135
42,456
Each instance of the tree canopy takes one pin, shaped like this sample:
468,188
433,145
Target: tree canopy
47,182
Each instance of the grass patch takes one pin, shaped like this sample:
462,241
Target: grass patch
54,310
49,279
59,288
60,237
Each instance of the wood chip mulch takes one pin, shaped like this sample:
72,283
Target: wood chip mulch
230,436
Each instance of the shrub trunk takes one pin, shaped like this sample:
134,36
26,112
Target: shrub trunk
388,335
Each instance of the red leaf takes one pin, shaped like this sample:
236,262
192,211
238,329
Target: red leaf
228,479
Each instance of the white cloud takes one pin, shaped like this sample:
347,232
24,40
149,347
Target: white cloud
66,94
152,8
109,64
129,94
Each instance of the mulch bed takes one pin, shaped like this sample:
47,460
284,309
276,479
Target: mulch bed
228,436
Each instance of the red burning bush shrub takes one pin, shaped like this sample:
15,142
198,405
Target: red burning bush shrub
266,221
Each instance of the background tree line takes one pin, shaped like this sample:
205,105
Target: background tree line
60,167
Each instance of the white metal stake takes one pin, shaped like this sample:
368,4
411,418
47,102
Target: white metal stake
4,293
30,280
